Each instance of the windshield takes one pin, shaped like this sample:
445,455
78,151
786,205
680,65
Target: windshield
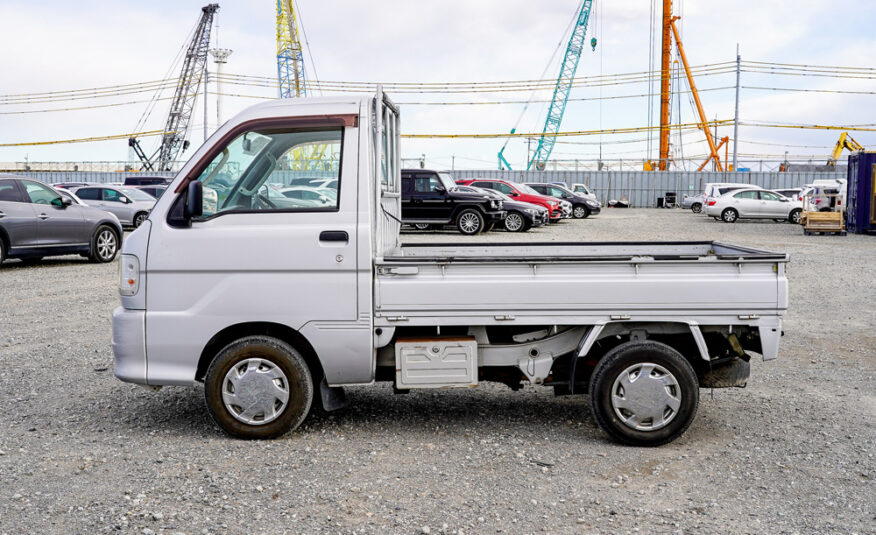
447,181
136,195
526,189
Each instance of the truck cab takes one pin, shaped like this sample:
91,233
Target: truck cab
276,306
430,198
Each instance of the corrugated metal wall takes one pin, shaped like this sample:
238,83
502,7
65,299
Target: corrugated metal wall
641,188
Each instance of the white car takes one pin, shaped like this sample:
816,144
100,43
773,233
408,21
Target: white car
583,189
754,203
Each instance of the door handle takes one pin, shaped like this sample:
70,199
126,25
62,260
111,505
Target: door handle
43,216
334,235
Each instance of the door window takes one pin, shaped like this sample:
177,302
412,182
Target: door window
253,170
485,185
504,188
746,195
40,194
427,184
555,192
769,196
111,195
9,191
88,194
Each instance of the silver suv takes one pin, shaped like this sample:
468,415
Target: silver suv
129,204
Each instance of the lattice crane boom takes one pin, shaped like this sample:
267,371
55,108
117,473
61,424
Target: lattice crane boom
173,140
561,89
290,57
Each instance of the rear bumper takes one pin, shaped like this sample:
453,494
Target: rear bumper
129,345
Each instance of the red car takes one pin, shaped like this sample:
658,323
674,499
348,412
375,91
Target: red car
520,192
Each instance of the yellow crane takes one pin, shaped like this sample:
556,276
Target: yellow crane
845,141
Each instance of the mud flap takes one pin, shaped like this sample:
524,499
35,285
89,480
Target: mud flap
332,397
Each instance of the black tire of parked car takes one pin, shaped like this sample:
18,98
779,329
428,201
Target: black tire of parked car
278,353
422,226
580,211
515,222
470,222
2,249
621,359
794,216
696,208
139,218
729,215
104,245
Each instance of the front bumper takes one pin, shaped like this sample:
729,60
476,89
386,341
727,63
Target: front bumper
129,345
594,209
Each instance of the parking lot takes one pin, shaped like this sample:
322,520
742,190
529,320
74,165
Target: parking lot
793,452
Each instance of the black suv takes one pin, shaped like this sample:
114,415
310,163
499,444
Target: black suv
430,198
146,181
582,207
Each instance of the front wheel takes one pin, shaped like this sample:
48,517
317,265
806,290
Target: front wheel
794,216
729,215
696,208
104,245
258,387
514,222
644,393
470,222
580,212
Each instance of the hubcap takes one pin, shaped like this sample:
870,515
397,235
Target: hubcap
795,217
579,212
730,216
513,222
646,396
469,223
139,220
255,391
106,244
696,208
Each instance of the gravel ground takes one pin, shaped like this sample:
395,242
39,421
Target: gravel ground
81,452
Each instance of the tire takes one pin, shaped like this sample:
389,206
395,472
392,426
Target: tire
267,374
515,222
139,218
104,245
696,208
794,216
470,222
489,227
729,215
580,211
422,226
624,413
778,220
2,250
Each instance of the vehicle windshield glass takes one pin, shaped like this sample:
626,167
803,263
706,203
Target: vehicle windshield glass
526,189
447,181
136,195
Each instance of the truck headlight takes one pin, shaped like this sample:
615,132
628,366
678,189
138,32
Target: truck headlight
129,275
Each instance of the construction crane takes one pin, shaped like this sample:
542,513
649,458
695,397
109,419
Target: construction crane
561,93
173,140
670,30
845,142
290,59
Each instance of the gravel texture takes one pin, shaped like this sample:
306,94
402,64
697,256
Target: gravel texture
81,452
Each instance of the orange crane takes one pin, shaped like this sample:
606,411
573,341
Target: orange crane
670,30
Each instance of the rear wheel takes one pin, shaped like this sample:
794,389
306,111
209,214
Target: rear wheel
794,216
514,222
579,211
139,218
729,215
470,222
258,387
696,208
104,245
644,393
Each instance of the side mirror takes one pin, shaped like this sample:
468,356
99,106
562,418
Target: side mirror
194,199
66,202
440,189
125,200
514,194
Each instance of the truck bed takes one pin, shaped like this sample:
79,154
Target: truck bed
576,282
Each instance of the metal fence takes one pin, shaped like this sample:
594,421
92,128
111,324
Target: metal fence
642,188
98,177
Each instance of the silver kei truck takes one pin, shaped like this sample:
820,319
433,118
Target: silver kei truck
276,306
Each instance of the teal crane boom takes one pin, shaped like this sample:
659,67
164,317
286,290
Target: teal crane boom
561,93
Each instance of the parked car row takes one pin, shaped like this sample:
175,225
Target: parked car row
433,199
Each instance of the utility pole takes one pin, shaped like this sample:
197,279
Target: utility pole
715,162
220,57
736,112
663,163
206,86
453,162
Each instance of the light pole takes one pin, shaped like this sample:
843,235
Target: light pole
220,57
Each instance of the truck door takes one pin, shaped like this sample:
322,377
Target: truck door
255,257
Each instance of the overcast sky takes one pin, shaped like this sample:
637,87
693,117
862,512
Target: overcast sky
60,45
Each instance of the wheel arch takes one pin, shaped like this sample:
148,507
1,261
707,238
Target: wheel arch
275,330
462,207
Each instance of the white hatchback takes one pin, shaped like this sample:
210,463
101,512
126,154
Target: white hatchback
753,203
